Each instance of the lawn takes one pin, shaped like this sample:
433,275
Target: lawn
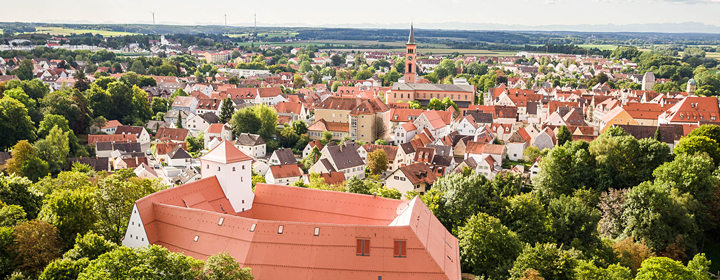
68,31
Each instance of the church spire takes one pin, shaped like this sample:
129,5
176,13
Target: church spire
411,40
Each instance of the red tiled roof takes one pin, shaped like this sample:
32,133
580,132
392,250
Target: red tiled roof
92,139
175,134
111,123
225,152
322,125
286,171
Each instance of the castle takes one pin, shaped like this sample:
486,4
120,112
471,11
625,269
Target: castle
285,232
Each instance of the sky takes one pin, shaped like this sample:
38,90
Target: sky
442,14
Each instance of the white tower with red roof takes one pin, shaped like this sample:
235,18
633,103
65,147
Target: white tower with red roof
232,168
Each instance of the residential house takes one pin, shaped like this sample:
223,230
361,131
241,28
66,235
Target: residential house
282,157
310,146
110,126
692,109
479,151
217,130
143,137
545,139
340,158
517,143
414,177
209,105
173,134
254,146
185,103
283,174
179,157
199,123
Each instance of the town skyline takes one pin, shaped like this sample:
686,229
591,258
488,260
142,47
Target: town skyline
550,15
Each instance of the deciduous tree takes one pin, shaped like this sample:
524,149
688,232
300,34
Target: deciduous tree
377,162
487,247
36,244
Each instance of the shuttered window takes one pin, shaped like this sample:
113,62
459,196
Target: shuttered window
400,249
362,247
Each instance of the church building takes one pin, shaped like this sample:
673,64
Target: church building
463,95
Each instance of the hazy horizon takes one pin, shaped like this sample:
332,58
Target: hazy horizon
453,14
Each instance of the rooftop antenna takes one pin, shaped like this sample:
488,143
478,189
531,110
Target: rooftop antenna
225,20
153,14
255,29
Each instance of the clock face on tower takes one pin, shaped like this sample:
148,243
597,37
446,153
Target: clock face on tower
410,58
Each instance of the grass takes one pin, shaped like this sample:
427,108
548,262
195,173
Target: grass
67,31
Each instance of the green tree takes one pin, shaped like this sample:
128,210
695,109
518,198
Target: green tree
666,268
81,81
565,169
652,215
24,71
6,254
152,262
573,223
15,190
692,145
115,197
651,155
288,137
435,104
159,104
26,163
356,185
550,262
326,137
335,86
15,123
689,174
227,110
300,127
245,121
487,247
563,135
709,130
63,269
222,266
615,153
377,162
528,218
36,245
137,67
11,215
54,149
71,212
588,271
89,246
268,120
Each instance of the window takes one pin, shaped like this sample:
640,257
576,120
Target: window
400,249
196,238
233,168
207,166
222,219
317,231
252,227
280,229
363,247
218,168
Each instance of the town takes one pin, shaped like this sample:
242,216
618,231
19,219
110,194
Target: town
283,162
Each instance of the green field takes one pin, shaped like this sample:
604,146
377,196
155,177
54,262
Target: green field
599,46
68,31
269,34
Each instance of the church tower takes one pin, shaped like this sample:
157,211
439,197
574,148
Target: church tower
410,63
